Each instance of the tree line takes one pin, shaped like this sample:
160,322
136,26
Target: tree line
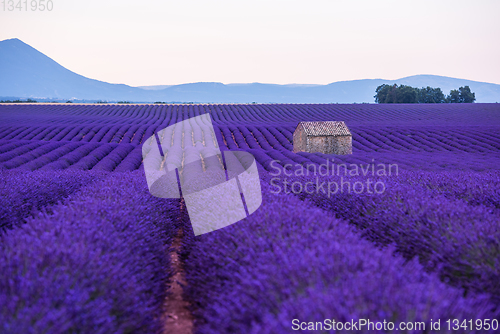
407,94
19,101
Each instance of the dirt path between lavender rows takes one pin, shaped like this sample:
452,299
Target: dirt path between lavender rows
178,318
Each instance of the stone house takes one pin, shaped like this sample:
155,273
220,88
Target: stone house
326,137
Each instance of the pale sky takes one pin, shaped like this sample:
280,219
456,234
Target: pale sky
149,42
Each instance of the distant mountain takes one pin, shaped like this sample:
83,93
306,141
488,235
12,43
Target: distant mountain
28,73
157,87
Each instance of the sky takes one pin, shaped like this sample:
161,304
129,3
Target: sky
151,42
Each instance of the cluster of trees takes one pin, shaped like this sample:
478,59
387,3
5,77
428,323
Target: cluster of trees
407,94
19,101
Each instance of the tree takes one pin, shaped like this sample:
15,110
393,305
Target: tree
466,96
462,95
453,97
406,94
382,92
430,95
395,94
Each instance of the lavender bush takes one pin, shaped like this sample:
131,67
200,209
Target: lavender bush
441,222
97,264
291,261
24,193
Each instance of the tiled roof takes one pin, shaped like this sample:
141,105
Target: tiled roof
328,128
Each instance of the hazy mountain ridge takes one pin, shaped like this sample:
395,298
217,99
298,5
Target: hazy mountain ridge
28,73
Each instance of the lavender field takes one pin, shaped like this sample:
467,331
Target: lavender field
85,248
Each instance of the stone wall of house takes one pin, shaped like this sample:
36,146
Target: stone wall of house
299,140
343,145
317,144
338,145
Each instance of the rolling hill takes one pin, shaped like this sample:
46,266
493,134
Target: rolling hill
28,73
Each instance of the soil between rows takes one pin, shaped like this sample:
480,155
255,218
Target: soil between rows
178,318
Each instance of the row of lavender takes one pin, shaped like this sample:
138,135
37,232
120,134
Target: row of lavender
291,262
238,272
109,157
24,194
423,114
96,133
372,139
448,219
97,262
365,139
457,149
41,155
